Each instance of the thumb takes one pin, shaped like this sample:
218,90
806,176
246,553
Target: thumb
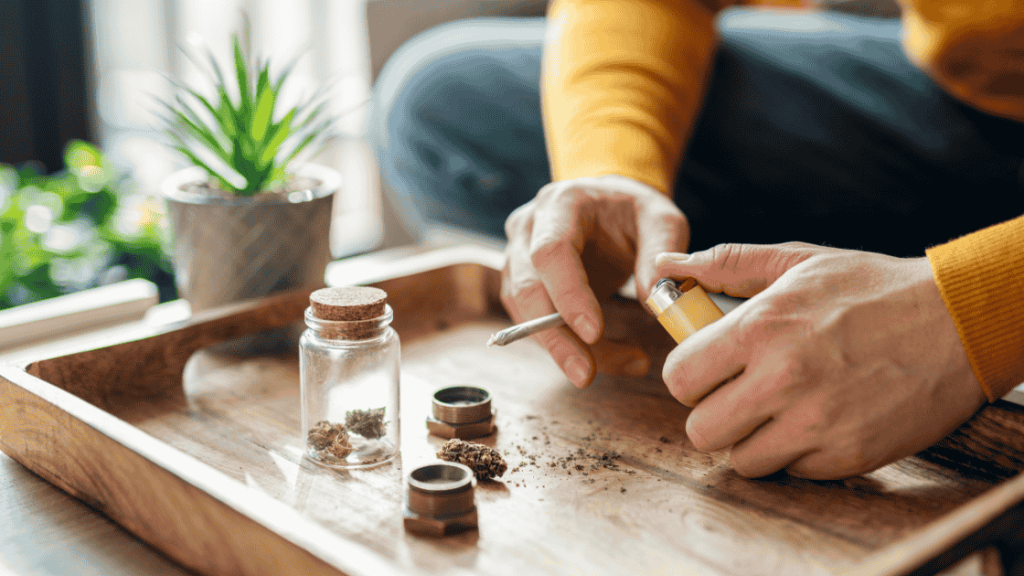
740,270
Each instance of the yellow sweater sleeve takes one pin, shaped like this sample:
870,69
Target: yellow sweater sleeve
974,49
981,279
621,85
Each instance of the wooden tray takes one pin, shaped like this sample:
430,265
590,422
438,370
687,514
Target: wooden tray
200,455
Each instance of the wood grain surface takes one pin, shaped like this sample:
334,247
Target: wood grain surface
201,455
48,533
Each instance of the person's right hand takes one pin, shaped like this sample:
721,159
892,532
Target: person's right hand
575,245
840,362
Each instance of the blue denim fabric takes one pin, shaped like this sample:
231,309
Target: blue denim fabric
815,127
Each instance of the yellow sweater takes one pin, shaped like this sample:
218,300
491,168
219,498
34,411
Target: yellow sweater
623,81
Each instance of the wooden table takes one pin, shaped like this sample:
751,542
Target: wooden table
45,532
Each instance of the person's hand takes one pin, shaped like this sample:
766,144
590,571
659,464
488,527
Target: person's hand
576,244
846,360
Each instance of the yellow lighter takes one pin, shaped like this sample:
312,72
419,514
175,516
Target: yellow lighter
682,308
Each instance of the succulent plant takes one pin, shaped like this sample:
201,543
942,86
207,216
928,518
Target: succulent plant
243,140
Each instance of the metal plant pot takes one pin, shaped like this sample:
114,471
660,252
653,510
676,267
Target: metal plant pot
234,248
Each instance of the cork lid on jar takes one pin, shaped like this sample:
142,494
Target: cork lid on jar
355,308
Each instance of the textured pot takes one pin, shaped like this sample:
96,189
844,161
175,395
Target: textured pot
240,247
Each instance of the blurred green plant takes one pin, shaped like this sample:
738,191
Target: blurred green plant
82,227
242,140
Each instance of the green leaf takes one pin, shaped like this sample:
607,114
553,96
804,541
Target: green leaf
263,80
316,116
302,145
226,114
216,68
195,160
197,126
308,119
242,73
264,109
206,104
100,206
39,283
226,109
244,163
278,173
278,134
261,178
201,133
285,72
79,155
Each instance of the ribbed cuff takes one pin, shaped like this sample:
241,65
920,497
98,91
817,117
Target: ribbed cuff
981,279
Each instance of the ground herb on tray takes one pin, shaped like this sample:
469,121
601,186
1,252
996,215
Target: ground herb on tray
484,461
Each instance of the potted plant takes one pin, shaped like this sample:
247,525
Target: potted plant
245,221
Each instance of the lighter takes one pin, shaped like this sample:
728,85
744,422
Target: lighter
682,308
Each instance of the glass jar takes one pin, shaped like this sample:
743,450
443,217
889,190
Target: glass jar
349,362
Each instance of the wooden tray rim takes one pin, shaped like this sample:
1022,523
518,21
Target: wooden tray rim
921,552
272,514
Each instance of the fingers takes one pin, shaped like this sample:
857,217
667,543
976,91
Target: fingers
558,236
740,414
661,227
705,360
741,270
520,280
525,298
570,353
770,449
732,412
572,229
770,431
565,348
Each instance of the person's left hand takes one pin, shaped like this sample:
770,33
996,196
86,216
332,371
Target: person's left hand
846,360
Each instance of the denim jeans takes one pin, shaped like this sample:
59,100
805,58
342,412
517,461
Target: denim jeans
815,127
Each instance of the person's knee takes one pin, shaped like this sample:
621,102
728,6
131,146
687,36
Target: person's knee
442,110
424,81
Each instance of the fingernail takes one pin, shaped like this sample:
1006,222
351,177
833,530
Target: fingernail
671,258
638,367
577,371
586,329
